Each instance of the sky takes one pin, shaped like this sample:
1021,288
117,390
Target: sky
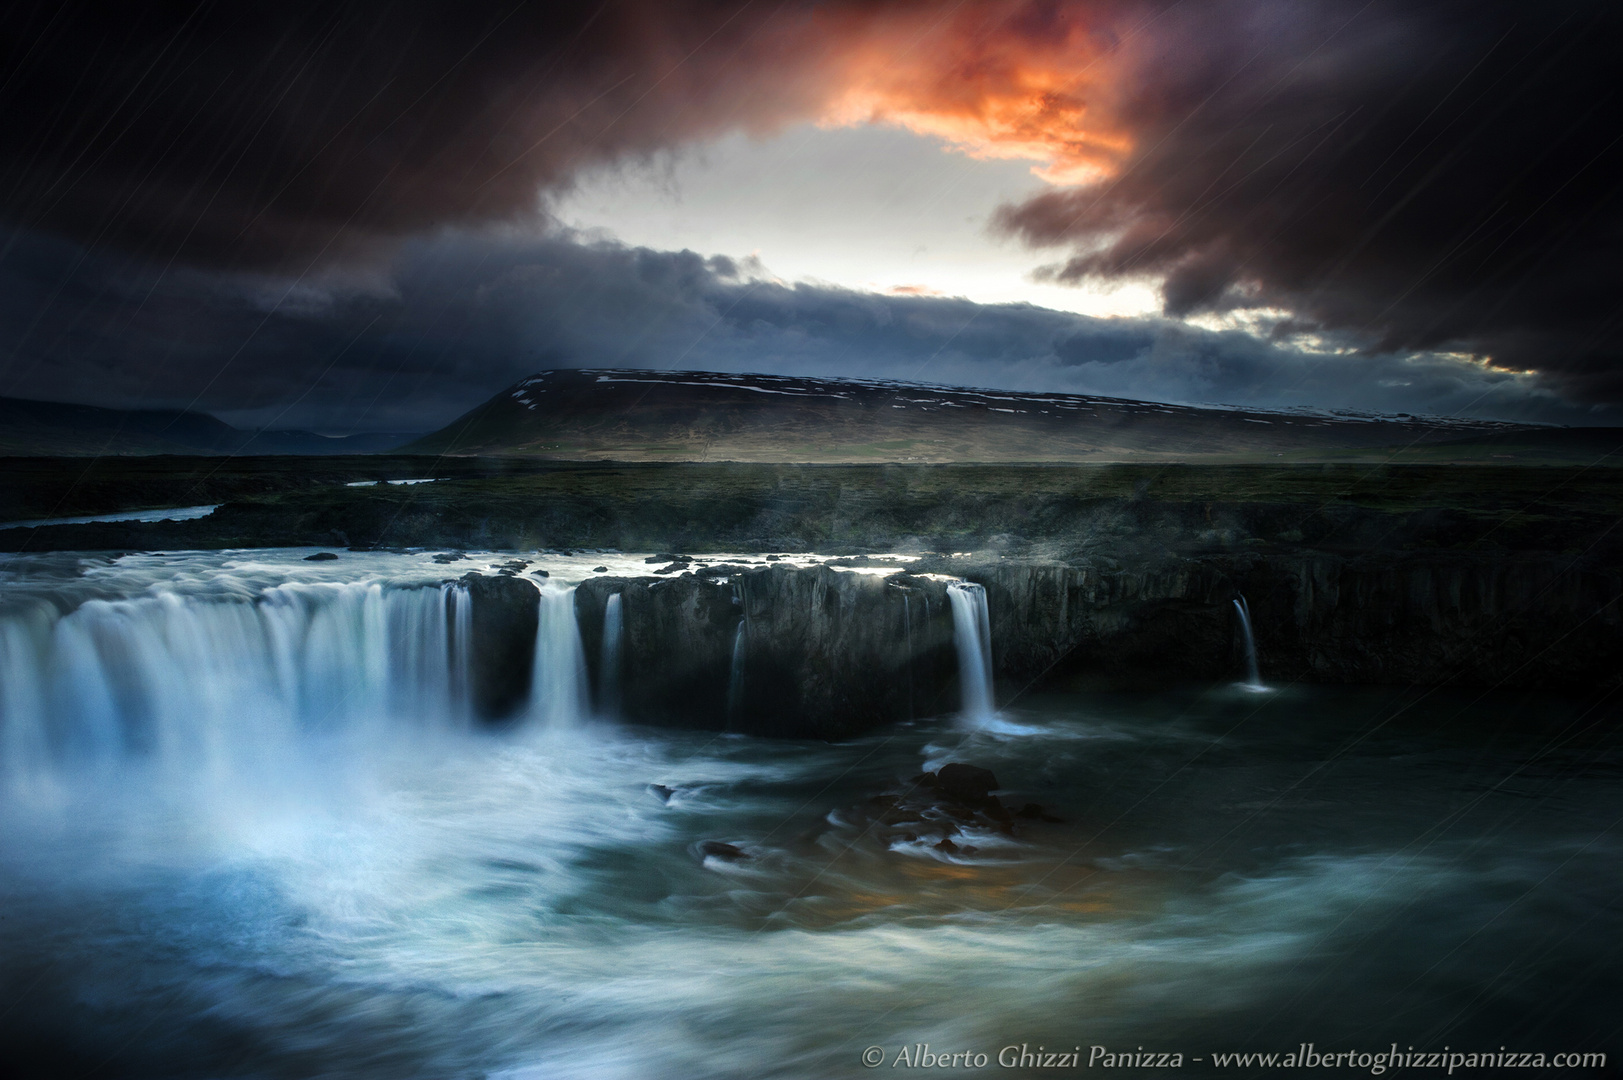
372,217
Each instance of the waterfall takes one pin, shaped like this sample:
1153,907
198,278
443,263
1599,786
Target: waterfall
907,620
1253,677
461,650
558,694
735,674
972,633
220,687
608,676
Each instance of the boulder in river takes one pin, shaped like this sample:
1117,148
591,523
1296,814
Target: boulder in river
968,784
722,850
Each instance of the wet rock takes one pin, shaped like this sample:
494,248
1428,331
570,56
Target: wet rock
600,569
963,793
823,654
826,654
449,557
967,783
503,626
661,791
722,850
321,556
1461,616
924,810
721,570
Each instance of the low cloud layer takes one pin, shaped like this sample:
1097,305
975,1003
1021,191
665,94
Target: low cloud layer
458,318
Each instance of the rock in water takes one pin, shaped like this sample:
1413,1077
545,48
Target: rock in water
935,807
963,792
722,850
967,783
321,556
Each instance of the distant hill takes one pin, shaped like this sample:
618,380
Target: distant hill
637,415
54,429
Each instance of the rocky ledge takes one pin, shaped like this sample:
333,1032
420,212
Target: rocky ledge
815,652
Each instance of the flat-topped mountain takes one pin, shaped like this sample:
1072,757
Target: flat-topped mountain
639,415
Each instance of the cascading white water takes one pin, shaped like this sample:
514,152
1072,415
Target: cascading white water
1253,676
461,650
972,633
907,621
213,688
558,694
735,673
608,676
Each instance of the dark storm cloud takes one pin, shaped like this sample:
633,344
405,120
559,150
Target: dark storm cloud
1395,176
1422,175
459,317
256,133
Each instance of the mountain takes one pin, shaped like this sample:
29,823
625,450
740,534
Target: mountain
54,429
638,415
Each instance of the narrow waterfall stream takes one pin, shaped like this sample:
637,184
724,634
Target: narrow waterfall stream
611,656
1253,674
972,635
907,623
735,670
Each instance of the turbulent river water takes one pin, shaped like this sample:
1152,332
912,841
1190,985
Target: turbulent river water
247,829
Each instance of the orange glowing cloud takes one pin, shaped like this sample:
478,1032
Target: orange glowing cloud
1005,80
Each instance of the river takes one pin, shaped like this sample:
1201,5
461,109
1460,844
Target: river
247,829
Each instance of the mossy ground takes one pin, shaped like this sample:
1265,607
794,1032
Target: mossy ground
524,503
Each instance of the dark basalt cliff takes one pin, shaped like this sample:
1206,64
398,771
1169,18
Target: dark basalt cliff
822,653
816,652
501,653
1530,621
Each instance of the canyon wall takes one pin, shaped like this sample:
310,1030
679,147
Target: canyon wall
823,653
780,651
1532,621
